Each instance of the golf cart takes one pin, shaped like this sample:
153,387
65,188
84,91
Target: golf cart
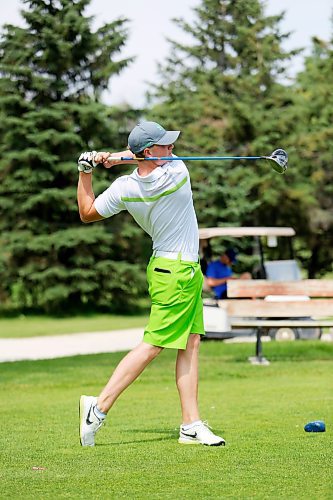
268,254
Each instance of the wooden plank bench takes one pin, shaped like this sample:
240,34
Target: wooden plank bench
263,304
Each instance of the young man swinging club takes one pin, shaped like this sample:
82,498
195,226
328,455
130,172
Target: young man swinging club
158,195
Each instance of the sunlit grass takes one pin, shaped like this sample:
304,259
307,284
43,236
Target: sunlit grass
259,410
29,326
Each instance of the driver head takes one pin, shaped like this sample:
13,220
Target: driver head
280,159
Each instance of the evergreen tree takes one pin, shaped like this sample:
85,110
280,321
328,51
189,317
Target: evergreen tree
313,143
52,73
223,90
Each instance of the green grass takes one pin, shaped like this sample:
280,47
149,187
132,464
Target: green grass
30,326
260,411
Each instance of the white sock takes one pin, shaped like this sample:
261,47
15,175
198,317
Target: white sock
99,414
186,427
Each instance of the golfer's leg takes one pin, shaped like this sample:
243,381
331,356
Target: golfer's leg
126,372
187,379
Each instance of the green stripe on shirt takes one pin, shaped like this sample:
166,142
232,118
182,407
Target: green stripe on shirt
158,196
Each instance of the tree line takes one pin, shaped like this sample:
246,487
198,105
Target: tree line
227,90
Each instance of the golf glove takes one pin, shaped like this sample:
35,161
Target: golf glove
86,162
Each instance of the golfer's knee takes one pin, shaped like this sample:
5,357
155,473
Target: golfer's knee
151,351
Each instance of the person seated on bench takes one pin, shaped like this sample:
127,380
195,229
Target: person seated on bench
220,271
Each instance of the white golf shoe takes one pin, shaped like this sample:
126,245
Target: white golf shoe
89,422
199,433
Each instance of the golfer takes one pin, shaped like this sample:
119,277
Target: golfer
158,195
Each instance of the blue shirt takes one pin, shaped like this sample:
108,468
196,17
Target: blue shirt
217,269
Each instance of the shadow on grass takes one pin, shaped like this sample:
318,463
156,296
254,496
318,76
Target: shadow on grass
168,436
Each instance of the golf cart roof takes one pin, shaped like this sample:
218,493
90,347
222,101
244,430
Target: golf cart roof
239,232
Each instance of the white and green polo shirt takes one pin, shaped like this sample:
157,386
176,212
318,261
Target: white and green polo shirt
161,203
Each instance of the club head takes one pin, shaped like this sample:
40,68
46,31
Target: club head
280,159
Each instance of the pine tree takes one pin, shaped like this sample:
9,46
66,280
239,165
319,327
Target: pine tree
52,74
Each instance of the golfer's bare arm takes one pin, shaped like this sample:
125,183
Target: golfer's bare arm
85,192
86,199
103,158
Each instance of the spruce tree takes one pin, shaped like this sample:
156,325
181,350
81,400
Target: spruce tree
52,73
313,144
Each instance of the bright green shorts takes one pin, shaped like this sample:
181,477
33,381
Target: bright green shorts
175,289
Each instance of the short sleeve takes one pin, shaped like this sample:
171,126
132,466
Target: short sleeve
211,270
109,202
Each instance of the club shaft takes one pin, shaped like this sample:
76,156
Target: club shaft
190,158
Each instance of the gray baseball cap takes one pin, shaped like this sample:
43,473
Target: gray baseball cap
145,134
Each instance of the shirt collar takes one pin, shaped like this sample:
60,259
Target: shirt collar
153,176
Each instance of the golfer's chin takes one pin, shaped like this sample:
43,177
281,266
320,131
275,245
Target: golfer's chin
160,163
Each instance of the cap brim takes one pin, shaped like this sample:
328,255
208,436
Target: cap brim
169,138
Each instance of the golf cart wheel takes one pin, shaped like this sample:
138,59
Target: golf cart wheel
283,334
310,333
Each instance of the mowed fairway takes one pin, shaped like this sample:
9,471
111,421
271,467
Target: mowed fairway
36,326
260,411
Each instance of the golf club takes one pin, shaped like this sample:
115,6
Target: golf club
278,159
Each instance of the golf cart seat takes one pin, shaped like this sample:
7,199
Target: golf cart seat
282,270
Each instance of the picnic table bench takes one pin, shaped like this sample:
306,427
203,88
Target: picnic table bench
263,304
